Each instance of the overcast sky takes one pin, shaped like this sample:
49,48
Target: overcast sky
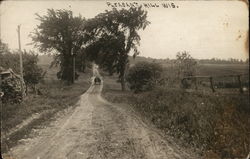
205,29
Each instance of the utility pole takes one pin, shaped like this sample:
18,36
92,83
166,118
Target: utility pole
21,59
74,65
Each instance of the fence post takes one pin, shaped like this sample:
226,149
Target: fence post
211,84
240,85
196,87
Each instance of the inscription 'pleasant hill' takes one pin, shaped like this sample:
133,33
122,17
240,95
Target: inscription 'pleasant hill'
138,4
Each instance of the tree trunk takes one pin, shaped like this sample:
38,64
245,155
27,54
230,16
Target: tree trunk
110,72
83,63
123,83
73,69
67,69
26,89
123,75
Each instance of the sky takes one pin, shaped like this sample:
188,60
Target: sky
205,29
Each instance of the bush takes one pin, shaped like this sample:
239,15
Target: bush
12,90
144,76
33,74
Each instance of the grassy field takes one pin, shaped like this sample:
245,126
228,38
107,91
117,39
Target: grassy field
225,84
214,124
222,69
56,96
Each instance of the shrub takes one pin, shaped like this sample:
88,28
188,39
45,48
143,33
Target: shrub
12,90
144,76
33,74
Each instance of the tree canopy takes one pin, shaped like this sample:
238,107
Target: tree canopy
59,30
115,36
106,39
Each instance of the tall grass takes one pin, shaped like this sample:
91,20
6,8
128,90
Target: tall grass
215,124
209,122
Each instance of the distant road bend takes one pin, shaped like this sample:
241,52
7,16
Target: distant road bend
97,129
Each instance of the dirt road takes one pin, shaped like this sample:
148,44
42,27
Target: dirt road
97,129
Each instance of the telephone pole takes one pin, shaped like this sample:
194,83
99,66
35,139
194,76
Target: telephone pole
74,65
21,59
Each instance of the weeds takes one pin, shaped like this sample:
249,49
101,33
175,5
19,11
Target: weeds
215,124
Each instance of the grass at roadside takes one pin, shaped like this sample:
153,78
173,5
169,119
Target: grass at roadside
55,96
215,124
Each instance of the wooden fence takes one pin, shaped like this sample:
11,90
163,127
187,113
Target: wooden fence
211,80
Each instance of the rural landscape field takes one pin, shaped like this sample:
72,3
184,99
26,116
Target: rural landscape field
111,80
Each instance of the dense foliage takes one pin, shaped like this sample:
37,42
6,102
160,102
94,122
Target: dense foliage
144,76
12,90
115,35
106,39
33,74
60,31
8,59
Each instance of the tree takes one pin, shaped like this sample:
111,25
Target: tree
33,74
59,30
186,64
115,36
144,76
9,59
3,48
105,52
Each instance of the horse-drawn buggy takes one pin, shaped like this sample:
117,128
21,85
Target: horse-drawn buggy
97,80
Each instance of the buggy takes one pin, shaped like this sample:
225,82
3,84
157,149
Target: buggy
97,80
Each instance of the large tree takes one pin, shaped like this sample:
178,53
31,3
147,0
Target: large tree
59,30
115,35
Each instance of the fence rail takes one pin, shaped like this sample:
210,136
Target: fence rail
211,80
